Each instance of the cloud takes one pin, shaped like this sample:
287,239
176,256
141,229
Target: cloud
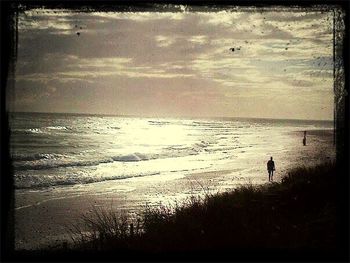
164,41
201,39
88,69
274,50
139,16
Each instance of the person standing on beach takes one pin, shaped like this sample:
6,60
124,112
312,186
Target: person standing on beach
270,168
304,140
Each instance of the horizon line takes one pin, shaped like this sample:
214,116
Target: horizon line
175,117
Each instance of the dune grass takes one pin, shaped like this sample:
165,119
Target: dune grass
299,212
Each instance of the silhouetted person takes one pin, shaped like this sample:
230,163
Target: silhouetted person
304,139
270,169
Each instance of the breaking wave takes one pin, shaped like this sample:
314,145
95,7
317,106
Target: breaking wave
32,182
49,161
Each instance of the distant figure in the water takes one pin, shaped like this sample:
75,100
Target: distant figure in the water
270,169
304,140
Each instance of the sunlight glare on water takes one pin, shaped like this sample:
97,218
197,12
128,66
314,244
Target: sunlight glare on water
156,134
50,150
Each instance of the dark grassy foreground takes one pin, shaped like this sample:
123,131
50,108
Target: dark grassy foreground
296,215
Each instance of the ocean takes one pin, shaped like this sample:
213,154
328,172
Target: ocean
51,150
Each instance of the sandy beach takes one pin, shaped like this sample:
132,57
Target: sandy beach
42,216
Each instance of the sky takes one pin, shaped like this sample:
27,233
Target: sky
176,64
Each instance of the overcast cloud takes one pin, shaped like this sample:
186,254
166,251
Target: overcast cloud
176,64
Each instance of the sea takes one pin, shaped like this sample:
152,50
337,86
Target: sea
50,150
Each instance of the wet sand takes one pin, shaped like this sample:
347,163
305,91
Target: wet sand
42,216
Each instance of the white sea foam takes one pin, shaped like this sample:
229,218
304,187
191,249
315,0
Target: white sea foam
57,128
35,130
